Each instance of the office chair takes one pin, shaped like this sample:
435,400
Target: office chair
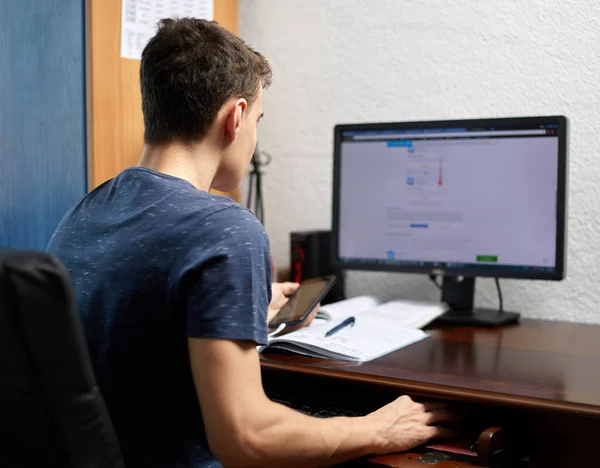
51,411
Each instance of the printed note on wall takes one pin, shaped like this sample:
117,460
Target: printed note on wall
140,17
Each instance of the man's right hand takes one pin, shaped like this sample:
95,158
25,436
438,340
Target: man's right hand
405,424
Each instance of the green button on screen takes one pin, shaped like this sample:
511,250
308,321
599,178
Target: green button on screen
487,258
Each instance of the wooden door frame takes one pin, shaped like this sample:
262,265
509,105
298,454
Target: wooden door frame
114,120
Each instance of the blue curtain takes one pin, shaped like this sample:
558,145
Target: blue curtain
42,117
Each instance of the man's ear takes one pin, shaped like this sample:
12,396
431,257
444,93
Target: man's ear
235,116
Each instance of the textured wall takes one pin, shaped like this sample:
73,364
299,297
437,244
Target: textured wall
350,60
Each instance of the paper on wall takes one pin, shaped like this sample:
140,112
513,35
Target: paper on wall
140,17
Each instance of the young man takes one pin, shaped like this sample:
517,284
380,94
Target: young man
173,283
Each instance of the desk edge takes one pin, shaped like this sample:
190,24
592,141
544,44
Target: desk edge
443,391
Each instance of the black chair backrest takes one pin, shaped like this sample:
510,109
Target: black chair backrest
51,411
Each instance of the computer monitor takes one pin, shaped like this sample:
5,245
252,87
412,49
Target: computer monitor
457,199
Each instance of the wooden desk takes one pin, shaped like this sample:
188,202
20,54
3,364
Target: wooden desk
539,380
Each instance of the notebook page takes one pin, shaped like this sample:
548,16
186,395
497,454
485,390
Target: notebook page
409,314
348,307
370,337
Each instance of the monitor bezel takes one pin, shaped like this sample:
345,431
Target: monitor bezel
559,272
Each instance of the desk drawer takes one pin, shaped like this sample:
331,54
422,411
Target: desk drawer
482,445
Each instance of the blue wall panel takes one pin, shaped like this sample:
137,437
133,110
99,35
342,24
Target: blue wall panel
42,117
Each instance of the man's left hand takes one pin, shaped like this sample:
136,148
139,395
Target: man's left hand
280,297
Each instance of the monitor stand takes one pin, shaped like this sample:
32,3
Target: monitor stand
459,294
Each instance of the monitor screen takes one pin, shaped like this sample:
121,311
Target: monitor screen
486,197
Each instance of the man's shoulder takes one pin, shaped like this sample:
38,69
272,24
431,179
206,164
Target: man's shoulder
139,190
230,236
229,220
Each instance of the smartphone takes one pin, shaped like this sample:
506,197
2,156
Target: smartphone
303,301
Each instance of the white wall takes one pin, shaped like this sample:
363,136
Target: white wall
382,60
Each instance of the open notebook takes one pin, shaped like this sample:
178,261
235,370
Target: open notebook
379,329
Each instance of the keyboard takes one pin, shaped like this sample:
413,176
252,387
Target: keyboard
317,408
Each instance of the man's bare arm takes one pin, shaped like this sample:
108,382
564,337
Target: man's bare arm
245,428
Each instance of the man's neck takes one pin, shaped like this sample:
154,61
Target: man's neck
195,163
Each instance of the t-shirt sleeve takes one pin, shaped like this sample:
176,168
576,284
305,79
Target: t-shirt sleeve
226,278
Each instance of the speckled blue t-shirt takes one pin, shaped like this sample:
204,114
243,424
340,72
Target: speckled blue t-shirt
154,261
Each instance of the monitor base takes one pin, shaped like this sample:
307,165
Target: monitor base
479,317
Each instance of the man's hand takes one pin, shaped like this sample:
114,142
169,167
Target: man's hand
280,297
280,293
409,424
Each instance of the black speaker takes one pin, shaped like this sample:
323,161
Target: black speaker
311,257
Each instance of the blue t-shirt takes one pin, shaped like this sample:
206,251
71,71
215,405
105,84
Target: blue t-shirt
154,261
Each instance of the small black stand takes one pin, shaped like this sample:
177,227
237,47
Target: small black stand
459,295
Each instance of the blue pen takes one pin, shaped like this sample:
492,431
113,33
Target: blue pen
344,324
